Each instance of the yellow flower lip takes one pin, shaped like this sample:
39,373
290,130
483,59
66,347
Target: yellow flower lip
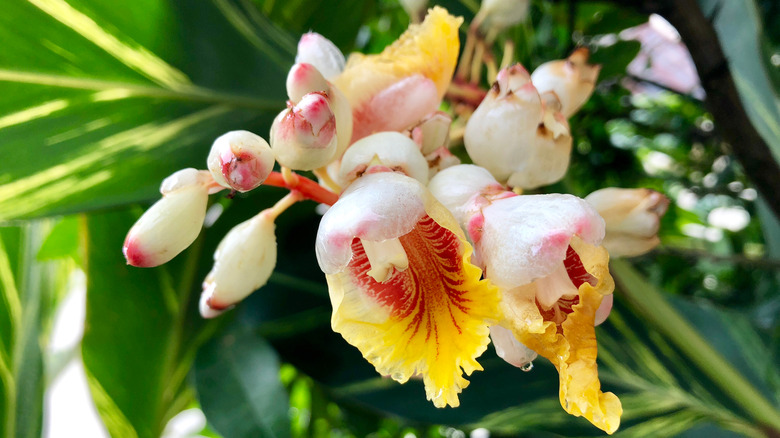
408,298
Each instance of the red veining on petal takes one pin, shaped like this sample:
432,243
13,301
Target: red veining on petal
577,272
425,290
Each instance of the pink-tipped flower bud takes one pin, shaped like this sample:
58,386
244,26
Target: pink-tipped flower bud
240,160
632,218
303,137
243,262
304,79
320,52
572,79
432,132
383,151
515,134
172,223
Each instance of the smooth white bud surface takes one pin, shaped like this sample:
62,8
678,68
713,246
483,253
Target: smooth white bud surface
170,225
503,13
389,150
240,160
632,217
243,262
320,52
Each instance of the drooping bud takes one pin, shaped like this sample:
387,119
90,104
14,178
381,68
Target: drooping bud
500,14
509,348
383,151
632,217
304,79
516,136
240,160
303,137
572,79
243,262
320,52
170,225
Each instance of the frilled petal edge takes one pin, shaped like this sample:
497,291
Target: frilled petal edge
571,345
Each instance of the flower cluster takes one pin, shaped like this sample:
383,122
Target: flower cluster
427,259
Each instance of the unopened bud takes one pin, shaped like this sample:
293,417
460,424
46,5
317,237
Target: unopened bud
243,262
170,225
432,132
387,151
632,217
240,160
501,14
509,135
572,79
304,137
303,79
320,52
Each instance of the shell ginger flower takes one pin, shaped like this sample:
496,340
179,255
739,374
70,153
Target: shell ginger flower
401,284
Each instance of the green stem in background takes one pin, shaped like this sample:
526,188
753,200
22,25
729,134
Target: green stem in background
650,303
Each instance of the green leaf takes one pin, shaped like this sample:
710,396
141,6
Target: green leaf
101,100
237,378
615,58
28,288
740,32
142,331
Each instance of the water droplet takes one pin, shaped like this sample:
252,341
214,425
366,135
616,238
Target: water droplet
527,367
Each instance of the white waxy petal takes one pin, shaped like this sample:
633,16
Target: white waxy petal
384,256
240,160
243,262
457,187
604,309
433,132
170,225
509,348
376,207
304,137
526,237
572,80
553,286
391,150
320,52
632,217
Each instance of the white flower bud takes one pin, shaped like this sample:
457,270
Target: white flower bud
390,151
501,14
572,79
170,225
432,132
632,218
303,137
243,262
320,52
519,138
304,79
240,160
509,348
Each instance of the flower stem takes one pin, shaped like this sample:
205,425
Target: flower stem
307,188
283,204
655,309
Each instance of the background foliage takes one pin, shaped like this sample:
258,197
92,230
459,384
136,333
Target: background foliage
101,101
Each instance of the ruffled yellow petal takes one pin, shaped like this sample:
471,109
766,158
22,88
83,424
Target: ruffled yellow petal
571,345
429,49
430,319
